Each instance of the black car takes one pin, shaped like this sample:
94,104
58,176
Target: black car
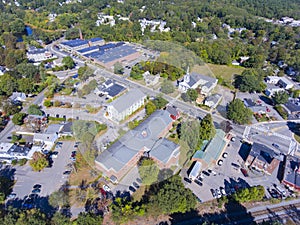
36,191
67,172
135,184
198,182
132,189
37,186
206,173
187,180
139,180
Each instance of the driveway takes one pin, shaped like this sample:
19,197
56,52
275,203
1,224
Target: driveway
50,178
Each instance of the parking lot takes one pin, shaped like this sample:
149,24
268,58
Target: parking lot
229,176
50,179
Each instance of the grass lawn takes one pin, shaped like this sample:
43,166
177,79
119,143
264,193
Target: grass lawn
224,71
297,138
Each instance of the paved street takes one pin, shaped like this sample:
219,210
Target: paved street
50,178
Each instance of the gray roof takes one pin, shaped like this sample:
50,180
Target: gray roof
195,77
293,105
291,173
263,153
54,128
67,128
213,98
36,51
144,137
172,110
127,100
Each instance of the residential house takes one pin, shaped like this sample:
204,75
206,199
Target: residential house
148,140
54,128
212,101
293,106
211,150
291,177
125,105
174,113
45,140
66,130
150,79
10,151
38,54
272,79
263,158
271,89
109,88
17,97
285,83
195,80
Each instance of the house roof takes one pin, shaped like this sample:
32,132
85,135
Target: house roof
67,128
75,43
212,149
44,137
172,110
111,88
258,109
293,105
195,77
145,137
16,95
54,128
213,98
125,101
4,147
291,171
286,81
37,51
263,153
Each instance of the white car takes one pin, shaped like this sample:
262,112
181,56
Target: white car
106,188
223,192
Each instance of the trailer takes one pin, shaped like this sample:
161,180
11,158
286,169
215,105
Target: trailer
195,170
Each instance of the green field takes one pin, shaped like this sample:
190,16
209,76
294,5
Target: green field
223,71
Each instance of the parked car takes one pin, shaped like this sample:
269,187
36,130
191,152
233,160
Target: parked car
233,139
67,172
11,196
37,186
54,155
206,173
244,172
139,180
135,184
187,180
213,193
198,182
223,192
225,154
106,188
220,162
236,166
132,189
218,193
275,145
36,191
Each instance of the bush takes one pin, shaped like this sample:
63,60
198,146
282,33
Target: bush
48,103
281,111
14,162
57,104
22,162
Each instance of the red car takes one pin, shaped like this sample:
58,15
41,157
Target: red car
245,173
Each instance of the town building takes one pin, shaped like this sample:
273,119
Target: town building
293,106
66,130
38,54
146,140
272,89
125,105
150,79
97,41
291,177
212,101
45,140
263,158
88,50
272,79
17,97
285,83
73,45
211,150
194,80
110,53
11,151
109,88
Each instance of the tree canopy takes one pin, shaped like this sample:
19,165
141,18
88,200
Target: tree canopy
35,110
148,171
18,118
250,81
280,97
238,112
167,87
68,62
38,161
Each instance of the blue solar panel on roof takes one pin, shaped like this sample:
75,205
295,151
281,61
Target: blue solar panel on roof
96,39
88,49
74,43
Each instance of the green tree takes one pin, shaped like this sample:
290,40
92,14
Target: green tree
88,219
26,85
148,171
167,87
58,199
68,62
160,102
60,219
238,112
249,81
11,109
190,95
47,103
7,84
118,68
189,133
255,193
173,197
18,118
150,108
34,110
280,97
207,128
38,161
31,217
85,72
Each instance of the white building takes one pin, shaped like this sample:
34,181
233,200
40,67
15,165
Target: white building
272,79
195,171
125,105
10,151
212,101
271,89
150,79
38,54
285,83
46,140
195,80
17,97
